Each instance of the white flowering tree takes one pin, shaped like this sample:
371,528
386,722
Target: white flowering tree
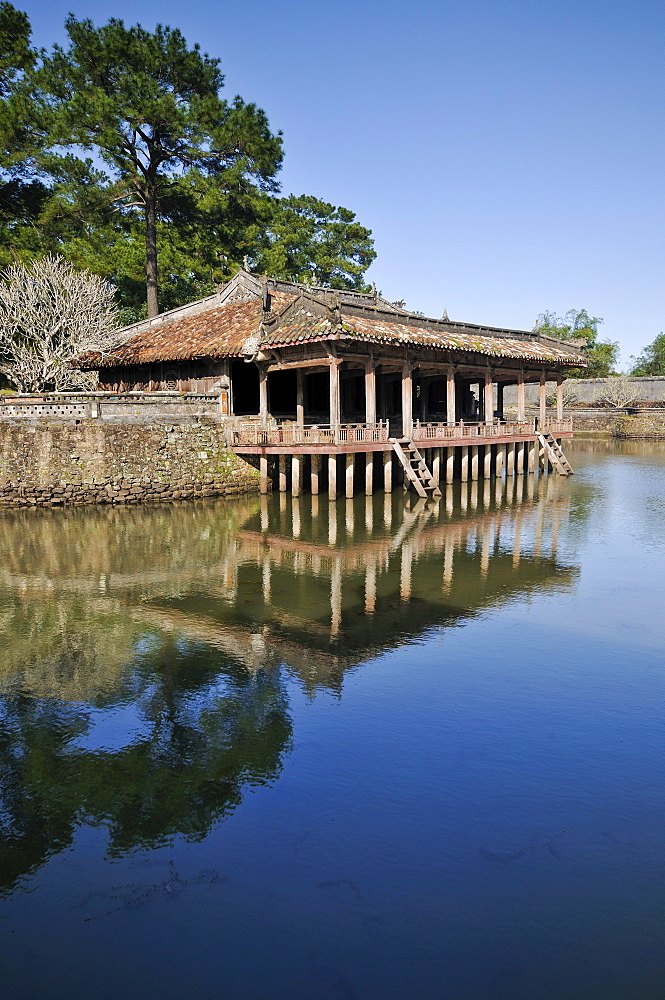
49,313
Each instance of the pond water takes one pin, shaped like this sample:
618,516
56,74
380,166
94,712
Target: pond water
376,749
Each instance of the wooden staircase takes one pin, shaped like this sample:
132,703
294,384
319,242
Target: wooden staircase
552,450
415,468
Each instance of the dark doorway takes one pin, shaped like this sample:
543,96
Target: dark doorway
245,385
317,398
282,394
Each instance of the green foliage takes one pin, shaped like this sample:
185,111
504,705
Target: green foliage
309,240
149,108
577,325
652,359
15,52
172,165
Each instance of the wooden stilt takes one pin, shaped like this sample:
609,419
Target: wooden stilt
296,475
487,463
369,473
315,475
474,462
282,473
465,464
510,463
350,468
332,477
263,473
436,465
450,465
521,447
387,471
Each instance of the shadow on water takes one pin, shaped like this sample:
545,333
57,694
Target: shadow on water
144,650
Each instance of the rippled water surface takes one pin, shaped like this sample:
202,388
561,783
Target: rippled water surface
375,749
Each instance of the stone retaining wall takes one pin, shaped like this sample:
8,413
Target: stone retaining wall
651,428
97,462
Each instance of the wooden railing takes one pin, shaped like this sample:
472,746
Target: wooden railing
439,432
291,434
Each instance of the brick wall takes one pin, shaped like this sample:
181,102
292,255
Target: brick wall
99,462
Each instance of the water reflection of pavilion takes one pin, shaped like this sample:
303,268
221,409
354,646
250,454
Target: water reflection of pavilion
324,595
179,620
267,582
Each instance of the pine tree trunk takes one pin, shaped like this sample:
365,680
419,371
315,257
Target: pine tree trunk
151,251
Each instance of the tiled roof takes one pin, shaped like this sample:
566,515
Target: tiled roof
220,327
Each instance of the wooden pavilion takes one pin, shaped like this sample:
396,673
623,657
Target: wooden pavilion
305,372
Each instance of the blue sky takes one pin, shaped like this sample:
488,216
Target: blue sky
508,156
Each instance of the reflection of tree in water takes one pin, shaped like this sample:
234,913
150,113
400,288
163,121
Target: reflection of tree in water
208,730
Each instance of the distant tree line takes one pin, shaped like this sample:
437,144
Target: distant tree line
120,155
602,355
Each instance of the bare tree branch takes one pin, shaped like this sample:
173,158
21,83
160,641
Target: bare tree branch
49,313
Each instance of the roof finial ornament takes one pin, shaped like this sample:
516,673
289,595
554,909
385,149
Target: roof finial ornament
445,316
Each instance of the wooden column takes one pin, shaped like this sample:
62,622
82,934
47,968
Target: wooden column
300,397
263,395
510,464
489,398
316,473
450,395
407,401
500,459
559,397
499,399
487,465
334,364
282,473
532,456
369,473
296,475
387,471
332,477
370,393
263,472
350,466
521,407
542,413
423,400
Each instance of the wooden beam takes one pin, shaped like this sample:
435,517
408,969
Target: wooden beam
283,366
